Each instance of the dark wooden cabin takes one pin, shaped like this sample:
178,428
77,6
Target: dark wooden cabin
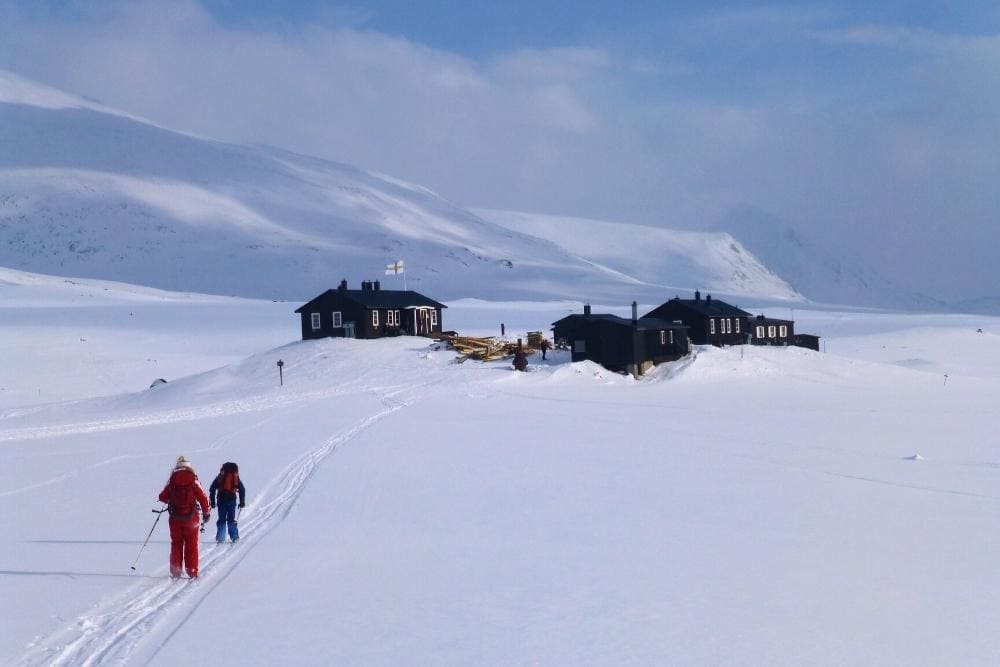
709,321
771,331
370,312
808,341
619,344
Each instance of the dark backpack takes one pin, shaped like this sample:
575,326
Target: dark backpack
229,478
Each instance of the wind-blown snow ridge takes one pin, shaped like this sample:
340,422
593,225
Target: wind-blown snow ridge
15,89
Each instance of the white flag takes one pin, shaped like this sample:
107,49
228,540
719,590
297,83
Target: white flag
395,268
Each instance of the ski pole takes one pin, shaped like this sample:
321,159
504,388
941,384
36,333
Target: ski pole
158,514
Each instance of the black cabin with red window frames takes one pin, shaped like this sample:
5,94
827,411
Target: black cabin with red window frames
709,321
370,312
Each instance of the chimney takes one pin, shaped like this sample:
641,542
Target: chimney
366,286
586,309
635,313
343,285
708,298
697,295
378,285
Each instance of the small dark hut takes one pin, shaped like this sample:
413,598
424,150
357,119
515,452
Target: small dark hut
771,331
620,344
807,341
370,312
709,321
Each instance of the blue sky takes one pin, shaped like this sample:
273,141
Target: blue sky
847,120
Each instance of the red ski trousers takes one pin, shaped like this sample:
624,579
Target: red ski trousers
184,547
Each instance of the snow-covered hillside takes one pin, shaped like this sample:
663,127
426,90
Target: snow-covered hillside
662,258
817,272
756,507
90,192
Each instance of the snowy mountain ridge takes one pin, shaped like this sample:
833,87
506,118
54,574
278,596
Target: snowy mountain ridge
815,271
657,256
91,192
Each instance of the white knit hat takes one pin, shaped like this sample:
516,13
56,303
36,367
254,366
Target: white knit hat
182,462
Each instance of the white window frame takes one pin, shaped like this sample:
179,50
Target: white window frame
760,331
338,319
771,333
783,331
671,336
729,325
711,325
737,325
390,318
316,321
434,317
374,318
663,338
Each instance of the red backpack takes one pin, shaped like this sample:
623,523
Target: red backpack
182,503
229,478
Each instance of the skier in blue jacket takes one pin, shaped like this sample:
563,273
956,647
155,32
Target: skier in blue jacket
227,486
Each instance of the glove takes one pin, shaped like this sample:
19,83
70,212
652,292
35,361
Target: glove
206,516
242,505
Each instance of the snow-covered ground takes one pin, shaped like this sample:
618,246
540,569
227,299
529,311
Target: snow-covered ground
746,506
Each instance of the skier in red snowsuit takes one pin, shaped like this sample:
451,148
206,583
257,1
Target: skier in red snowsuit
183,494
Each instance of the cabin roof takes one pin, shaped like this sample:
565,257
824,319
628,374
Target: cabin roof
760,319
708,307
376,298
642,324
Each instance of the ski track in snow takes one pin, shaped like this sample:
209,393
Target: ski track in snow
220,409
86,470
116,628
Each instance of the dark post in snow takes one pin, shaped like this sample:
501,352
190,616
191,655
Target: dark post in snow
281,377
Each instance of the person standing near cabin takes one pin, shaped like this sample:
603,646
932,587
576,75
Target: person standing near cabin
183,495
228,486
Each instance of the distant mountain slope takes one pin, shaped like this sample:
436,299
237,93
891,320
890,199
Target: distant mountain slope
658,257
87,191
813,271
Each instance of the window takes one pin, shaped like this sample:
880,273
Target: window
671,337
374,318
434,317
783,331
711,325
394,314
579,346
770,331
315,321
663,338
729,325
737,325
338,320
760,331
390,318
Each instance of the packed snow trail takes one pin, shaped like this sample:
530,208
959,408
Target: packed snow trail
114,631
